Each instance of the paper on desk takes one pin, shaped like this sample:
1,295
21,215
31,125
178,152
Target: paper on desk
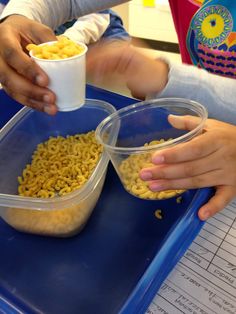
204,281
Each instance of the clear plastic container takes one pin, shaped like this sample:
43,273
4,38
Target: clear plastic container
61,216
145,123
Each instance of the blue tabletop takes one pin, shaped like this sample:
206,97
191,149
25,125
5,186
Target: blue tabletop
115,265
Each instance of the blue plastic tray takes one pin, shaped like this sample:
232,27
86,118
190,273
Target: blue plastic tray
115,265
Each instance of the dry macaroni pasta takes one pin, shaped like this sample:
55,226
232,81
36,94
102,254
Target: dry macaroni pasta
158,214
57,222
130,168
62,49
60,165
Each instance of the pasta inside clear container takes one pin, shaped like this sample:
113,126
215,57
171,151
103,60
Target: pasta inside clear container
59,216
140,130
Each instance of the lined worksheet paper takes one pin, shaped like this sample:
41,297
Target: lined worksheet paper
204,281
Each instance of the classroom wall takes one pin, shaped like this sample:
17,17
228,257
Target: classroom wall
149,22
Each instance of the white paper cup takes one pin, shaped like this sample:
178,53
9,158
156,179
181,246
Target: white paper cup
67,78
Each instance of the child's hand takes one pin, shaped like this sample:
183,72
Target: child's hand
20,76
207,160
142,74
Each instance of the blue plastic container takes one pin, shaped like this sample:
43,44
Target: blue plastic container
115,265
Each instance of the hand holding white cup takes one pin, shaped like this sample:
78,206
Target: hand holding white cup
64,63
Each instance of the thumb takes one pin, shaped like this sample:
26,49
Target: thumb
223,196
184,122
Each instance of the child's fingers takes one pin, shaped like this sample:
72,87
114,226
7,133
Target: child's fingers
184,122
223,195
199,147
181,170
211,178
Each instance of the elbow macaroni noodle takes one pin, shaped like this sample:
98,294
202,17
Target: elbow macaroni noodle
130,168
158,214
62,49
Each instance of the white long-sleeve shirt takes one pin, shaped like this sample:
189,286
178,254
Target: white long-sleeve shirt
89,28
54,13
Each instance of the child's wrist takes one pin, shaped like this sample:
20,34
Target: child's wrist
162,73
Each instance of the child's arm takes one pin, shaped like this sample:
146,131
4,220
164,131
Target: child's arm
54,13
215,92
89,28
